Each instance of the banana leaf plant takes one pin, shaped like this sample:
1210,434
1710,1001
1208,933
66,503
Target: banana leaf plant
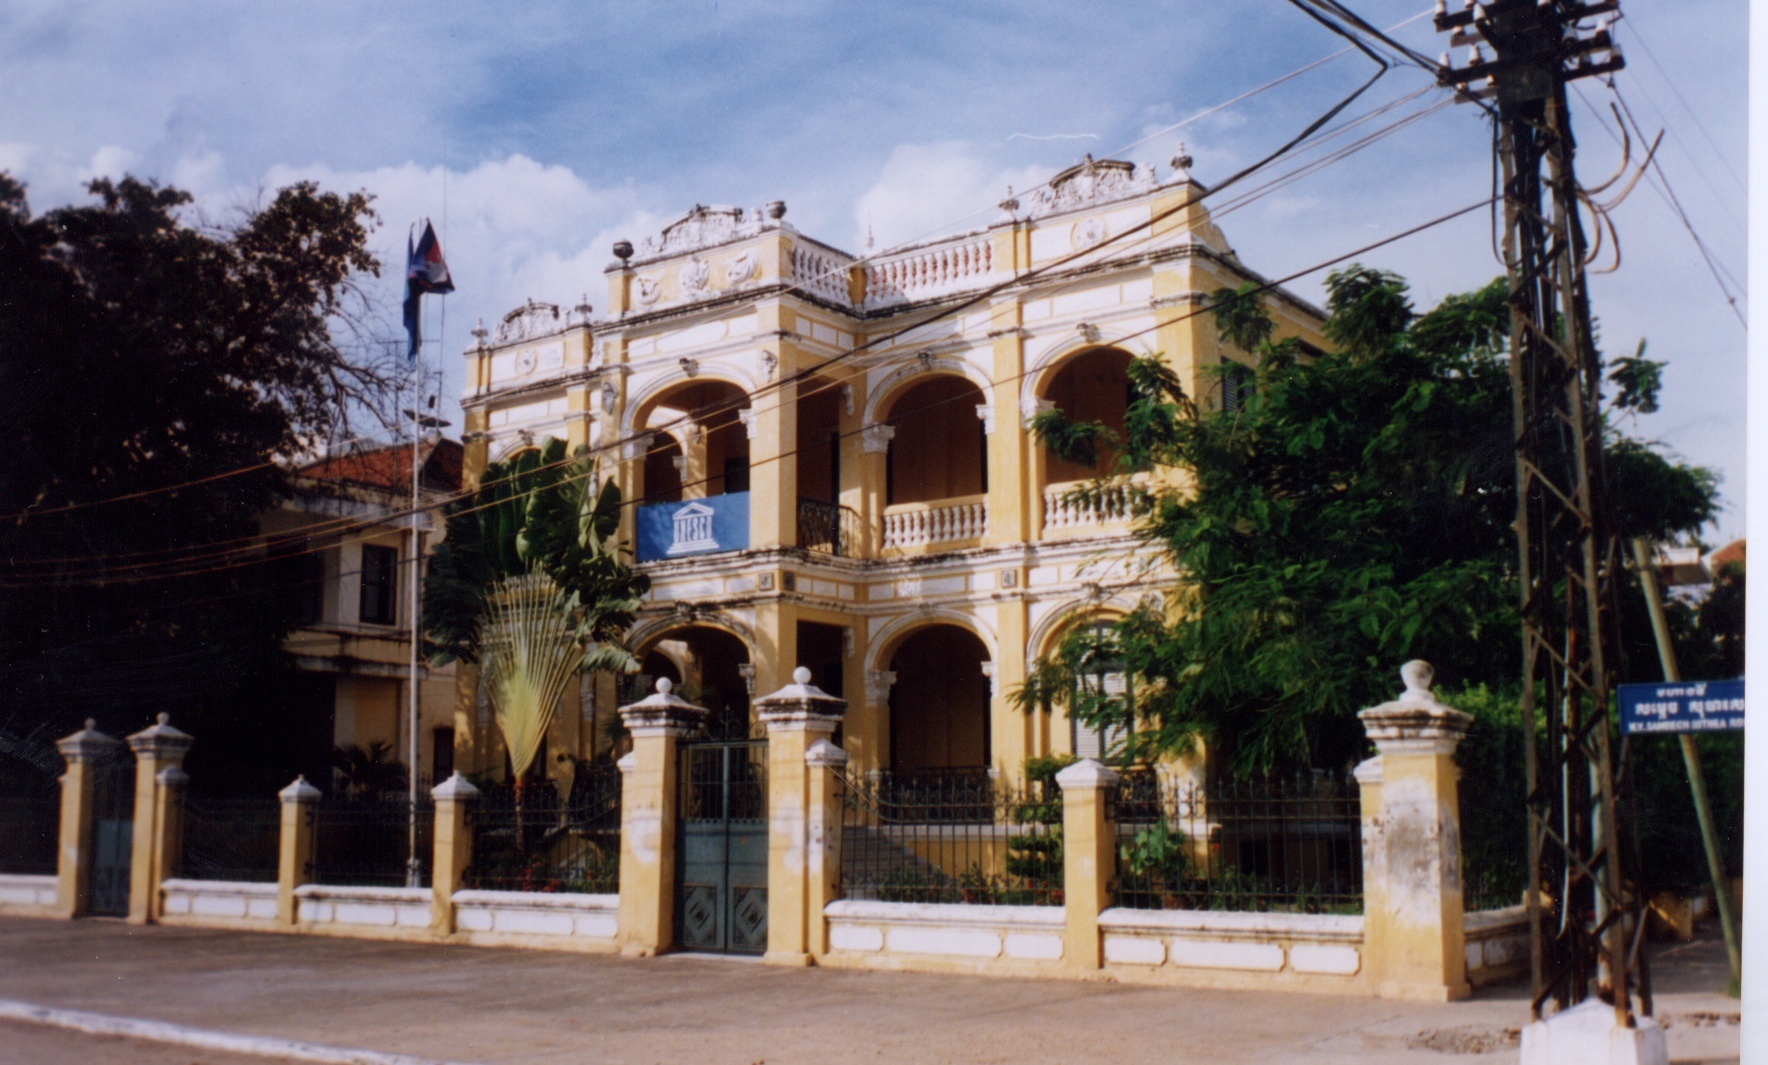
529,586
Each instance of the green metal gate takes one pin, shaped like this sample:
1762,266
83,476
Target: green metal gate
113,833
721,900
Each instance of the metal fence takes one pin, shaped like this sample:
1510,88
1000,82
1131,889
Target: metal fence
231,839
30,821
543,844
1266,845
364,842
828,528
951,838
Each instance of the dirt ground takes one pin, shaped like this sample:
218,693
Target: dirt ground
462,1004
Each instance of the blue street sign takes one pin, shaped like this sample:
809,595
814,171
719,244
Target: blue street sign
1682,706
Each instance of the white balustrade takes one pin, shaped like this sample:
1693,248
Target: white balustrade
1114,503
929,272
819,274
917,524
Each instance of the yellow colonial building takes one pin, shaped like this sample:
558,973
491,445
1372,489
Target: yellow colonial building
828,461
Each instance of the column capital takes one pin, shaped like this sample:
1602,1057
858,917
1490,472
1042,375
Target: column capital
1086,774
800,705
824,754
1415,723
455,789
299,792
160,740
875,439
87,744
662,713
878,685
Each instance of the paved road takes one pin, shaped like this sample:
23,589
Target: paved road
32,1044
521,1007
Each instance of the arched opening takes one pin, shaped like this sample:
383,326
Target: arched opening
1093,386
824,525
707,667
710,456
940,448
939,705
663,471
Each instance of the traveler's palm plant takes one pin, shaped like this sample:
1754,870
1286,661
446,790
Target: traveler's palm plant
529,586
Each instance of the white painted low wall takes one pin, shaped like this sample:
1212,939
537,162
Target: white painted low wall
27,895
1497,943
559,920
1232,948
219,903
902,934
349,910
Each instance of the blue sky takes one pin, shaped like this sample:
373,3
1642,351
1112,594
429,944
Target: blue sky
537,134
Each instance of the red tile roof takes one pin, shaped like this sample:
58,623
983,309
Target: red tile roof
390,467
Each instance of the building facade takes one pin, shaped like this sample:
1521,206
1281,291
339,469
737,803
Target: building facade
347,574
828,459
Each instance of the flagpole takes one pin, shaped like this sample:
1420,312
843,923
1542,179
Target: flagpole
411,861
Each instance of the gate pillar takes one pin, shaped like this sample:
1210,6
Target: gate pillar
84,752
159,778
804,825
1412,904
650,791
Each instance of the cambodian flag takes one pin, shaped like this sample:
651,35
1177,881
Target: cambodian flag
425,271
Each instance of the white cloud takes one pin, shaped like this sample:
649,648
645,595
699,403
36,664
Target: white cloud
925,190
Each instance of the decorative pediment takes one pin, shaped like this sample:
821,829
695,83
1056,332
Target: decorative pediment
531,319
703,226
1090,182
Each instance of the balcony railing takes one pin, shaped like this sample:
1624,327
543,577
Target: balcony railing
828,528
1075,503
926,272
942,521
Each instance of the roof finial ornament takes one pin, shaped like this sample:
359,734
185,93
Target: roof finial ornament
1182,162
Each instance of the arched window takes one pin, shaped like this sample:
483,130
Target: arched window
1103,680
940,450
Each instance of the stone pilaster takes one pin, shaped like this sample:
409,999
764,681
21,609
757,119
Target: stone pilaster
824,763
1412,907
1088,859
295,852
85,753
453,849
800,718
159,781
650,790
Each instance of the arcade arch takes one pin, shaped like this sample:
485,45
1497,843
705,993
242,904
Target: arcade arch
705,455
939,705
940,446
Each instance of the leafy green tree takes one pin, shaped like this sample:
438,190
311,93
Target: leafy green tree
1352,511
140,349
529,586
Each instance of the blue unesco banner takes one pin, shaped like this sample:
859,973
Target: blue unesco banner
693,527
1682,706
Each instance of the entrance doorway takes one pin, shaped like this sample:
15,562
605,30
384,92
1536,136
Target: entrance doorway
721,897
113,834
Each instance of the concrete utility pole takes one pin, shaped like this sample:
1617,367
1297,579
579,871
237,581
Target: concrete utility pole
1697,781
1585,922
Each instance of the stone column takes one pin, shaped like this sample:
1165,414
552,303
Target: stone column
1412,906
1089,845
159,780
824,763
453,849
295,852
85,753
649,792
800,718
